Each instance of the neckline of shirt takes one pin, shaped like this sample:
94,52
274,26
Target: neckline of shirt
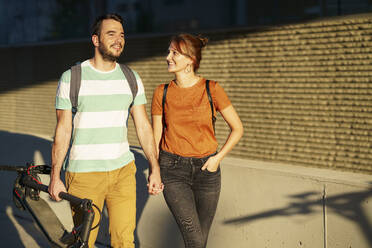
87,63
191,87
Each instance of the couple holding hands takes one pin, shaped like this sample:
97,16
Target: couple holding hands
181,145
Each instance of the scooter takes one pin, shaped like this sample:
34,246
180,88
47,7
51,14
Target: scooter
26,196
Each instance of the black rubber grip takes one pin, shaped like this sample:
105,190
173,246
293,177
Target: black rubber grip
72,199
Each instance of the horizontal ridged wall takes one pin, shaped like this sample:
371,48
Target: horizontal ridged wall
303,91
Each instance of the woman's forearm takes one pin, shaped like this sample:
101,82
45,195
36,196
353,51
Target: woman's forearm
236,126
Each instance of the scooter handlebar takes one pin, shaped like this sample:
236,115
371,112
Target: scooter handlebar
12,168
72,199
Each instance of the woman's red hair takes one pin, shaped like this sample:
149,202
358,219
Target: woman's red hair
190,46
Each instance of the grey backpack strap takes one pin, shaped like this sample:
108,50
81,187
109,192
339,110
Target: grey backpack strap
129,75
75,86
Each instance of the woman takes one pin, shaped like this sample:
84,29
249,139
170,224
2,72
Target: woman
184,133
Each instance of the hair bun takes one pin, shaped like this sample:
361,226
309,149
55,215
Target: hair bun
203,40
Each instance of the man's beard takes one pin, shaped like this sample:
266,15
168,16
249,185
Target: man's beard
106,54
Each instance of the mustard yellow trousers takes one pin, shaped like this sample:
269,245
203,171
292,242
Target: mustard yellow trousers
117,189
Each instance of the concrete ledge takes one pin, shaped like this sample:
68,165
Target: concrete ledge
319,174
273,205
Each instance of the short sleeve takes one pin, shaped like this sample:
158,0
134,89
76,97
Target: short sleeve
63,91
140,98
220,98
156,106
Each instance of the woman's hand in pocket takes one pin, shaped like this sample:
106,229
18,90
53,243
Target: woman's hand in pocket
212,164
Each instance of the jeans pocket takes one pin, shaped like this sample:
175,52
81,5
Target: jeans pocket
205,159
212,172
166,161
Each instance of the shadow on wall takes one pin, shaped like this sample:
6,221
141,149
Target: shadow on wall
19,149
348,206
18,228
142,195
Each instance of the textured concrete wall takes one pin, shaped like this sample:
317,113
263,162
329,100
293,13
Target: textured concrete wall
303,91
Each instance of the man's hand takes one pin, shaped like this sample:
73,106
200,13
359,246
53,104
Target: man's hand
155,186
56,186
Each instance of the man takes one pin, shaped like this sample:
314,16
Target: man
100,165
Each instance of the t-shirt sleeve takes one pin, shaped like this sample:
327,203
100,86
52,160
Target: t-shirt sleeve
156,106
140,98
63,91
220,98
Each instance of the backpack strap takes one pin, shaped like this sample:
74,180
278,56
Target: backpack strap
211,103
131,80
162,105
75,82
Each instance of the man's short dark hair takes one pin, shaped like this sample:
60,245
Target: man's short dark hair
96,28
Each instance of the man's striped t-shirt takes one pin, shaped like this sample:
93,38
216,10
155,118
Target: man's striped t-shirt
99,138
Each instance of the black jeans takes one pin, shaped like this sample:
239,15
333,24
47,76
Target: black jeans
191,195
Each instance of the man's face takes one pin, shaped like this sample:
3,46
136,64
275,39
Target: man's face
111,40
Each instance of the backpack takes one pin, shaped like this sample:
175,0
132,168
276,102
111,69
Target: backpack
76,81
209,99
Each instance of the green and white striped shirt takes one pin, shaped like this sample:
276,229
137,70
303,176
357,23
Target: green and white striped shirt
99,138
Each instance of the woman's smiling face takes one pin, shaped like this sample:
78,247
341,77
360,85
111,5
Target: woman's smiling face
176,61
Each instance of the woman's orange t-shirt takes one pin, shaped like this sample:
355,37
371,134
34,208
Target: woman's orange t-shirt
188,117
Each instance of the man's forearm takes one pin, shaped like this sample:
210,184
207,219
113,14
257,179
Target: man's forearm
61,141
58,155
59,150
146,139
145,135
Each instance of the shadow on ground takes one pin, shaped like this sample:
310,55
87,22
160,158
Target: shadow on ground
18,228
347,205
